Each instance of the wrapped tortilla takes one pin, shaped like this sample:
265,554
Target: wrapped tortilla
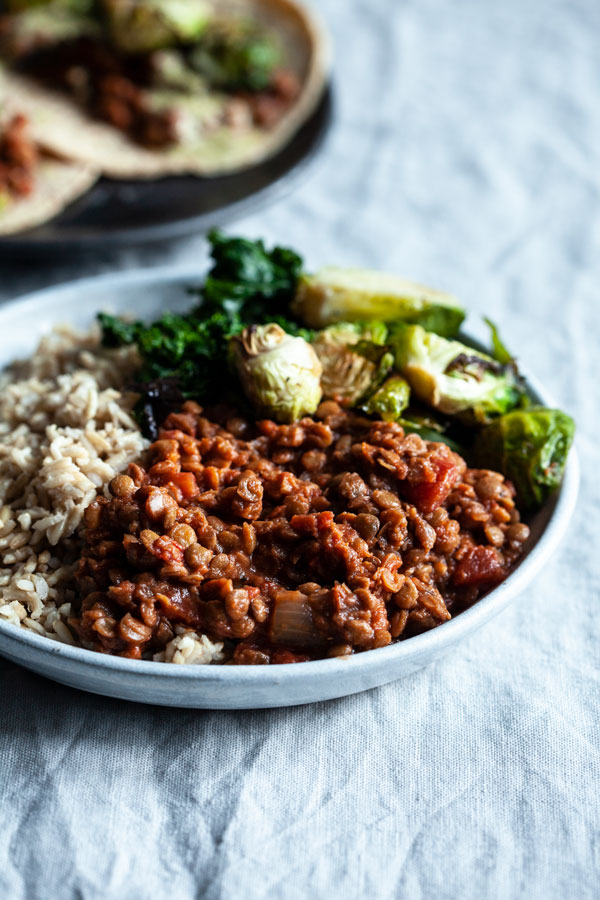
57,184
210,140
34,187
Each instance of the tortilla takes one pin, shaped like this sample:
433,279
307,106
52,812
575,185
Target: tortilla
60,126
57,183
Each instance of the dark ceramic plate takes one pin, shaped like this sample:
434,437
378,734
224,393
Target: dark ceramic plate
121,213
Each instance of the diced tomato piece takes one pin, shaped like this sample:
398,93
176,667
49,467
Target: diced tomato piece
180,606
281,657
325,520
305,524
428,495
167,550
481,566
187,484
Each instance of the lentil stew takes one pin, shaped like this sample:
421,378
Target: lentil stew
322,538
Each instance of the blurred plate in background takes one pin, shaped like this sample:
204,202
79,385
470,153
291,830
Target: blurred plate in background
121,213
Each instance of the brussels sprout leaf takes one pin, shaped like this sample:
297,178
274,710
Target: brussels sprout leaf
500,351
530,447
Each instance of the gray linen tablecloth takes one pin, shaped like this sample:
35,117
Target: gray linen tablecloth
466,154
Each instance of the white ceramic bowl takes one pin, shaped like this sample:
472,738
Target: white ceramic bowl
146,293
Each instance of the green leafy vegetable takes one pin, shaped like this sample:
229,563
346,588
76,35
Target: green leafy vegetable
247,284
141,26
390,400
248,278
500,351
184,346
530,447
454,378
235,56
117,331
175,346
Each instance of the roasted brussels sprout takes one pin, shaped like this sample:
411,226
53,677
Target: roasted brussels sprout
390,400
351,333
354,359
235,56
454,378
335,295
139,26
530,447
280,374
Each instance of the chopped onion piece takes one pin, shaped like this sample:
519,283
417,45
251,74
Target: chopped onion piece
292,622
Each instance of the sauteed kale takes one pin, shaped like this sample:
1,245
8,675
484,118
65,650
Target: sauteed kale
247,338
188,353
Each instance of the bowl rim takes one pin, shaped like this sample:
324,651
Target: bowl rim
415,647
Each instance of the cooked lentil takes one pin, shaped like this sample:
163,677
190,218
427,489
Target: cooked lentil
18,158
290,542
112,87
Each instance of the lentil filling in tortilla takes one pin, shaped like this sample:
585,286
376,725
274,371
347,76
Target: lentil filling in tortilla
206,108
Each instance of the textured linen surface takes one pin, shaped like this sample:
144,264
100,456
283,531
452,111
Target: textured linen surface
465,153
